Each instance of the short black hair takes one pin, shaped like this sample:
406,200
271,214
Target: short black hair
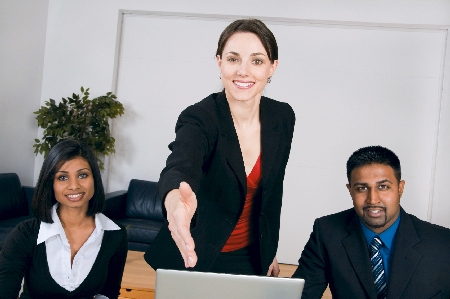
374,155
254,26
44,195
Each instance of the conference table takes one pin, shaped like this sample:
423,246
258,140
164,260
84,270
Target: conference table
138,280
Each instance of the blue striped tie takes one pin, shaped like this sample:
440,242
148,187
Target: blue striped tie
377,267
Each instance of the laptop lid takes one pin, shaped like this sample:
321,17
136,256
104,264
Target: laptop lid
174,284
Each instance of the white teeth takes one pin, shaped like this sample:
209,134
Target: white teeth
74,195
241,84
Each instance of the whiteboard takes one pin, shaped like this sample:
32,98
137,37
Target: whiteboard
350,85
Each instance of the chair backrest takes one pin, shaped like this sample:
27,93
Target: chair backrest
143,201
13,202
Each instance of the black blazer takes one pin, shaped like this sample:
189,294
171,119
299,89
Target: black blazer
337,253
206,154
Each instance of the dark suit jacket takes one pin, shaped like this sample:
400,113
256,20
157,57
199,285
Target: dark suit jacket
337,254
206,154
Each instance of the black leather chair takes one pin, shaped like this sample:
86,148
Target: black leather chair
15,203
139,210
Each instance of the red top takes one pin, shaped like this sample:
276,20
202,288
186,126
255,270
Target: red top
242,235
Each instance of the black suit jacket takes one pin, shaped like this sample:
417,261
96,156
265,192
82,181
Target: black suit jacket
337,254
206,154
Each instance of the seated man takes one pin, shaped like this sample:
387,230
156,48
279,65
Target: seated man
376,249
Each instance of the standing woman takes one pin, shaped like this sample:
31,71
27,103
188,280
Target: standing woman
70,250
223,182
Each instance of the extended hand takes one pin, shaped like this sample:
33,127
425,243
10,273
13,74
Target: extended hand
181,205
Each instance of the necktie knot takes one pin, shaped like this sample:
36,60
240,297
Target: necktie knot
376,243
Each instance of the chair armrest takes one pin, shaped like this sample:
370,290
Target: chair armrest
115,204
29,192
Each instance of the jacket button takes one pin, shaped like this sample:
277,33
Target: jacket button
260,236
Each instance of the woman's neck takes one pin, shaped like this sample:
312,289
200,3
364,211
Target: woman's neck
245,113
73,218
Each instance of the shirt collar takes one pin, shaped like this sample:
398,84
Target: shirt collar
48,230
387,237
103,222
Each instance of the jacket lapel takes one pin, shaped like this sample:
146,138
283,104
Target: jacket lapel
358,254
232,149
404,258
270,140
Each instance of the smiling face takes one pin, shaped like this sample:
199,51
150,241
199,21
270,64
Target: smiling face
74,184
376,194
245,67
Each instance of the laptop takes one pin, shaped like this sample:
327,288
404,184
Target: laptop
174,284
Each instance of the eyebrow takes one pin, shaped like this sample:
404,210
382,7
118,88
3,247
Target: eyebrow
63,171
378,183
253,54
384,181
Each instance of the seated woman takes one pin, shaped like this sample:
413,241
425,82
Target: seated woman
70,250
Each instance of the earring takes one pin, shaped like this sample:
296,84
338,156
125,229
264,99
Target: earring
269,79
220,76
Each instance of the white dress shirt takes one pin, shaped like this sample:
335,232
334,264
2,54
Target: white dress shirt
58,250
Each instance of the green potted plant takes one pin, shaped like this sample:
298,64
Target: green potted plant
79,118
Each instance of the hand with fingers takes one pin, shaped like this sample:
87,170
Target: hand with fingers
274,268
180,205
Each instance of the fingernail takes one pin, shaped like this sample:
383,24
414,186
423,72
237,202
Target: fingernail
190,262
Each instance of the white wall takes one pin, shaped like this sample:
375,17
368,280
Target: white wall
23,27
81,49
350,86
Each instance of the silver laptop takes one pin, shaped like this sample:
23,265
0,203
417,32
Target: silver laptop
173,284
